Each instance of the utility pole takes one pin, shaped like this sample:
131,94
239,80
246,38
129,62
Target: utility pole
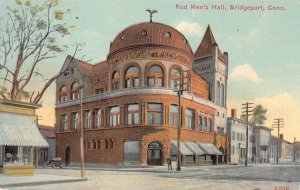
294,149
81,133
247,110
182,84
279,123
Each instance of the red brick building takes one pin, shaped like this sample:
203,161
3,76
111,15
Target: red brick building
130,109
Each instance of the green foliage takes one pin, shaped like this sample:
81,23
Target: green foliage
259,115
59,14
23,95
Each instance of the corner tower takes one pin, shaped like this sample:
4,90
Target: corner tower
212,65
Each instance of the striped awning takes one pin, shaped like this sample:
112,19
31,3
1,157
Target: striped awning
19,130
194,147
210,149
183,148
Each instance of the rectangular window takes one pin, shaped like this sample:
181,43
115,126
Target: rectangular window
114,116
154,114
75,121
150,81
63,122
86,119
133,116
159,82
97,118
190,118
174,115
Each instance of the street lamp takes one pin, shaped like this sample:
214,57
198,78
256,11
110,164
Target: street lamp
81,133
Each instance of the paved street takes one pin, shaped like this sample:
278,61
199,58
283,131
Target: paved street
262,177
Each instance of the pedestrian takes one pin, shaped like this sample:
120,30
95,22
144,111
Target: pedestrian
169,162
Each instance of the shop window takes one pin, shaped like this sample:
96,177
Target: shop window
154,113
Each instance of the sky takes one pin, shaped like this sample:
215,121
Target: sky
263,46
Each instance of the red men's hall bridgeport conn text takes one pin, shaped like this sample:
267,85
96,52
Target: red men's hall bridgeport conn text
222,7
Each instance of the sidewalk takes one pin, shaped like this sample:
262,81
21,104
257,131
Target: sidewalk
37,179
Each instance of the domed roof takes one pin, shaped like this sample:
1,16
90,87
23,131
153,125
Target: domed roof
150,34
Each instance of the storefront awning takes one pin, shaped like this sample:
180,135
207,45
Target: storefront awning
183,148
19,130
210,149
195,148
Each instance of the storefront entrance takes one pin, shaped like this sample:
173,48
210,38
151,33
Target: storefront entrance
154,154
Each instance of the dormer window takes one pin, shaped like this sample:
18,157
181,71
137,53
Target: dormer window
167,35
123,37
143,33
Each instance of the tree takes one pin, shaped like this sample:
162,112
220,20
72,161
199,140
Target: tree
259,115
29,35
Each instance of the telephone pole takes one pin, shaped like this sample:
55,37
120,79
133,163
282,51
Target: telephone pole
247,110
278,123
182,84
294,149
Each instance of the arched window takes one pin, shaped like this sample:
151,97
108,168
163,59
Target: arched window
155,76
115,81
75,91
75,121
132,77
222,95
209,125
200,123
218,93
205,124
63,94
97,118
175,75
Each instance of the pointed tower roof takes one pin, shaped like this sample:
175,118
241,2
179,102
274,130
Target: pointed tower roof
205,47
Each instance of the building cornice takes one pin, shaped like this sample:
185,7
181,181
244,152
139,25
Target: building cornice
138,91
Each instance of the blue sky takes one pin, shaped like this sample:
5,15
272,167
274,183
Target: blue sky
263,46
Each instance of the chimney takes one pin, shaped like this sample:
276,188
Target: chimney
281,136
233,113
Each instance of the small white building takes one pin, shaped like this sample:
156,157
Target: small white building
236,130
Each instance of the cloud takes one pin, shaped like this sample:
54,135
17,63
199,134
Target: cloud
245,72
190,28
283,105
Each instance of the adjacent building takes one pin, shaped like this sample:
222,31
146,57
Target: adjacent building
47,153
286,149
130,104
19,137
236,129
261,144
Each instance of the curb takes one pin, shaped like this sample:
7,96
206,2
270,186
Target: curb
42,183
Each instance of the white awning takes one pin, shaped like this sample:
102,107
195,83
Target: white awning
210,148
194,147
19,130
183,148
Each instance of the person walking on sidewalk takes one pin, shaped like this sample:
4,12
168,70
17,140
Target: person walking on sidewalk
169,162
